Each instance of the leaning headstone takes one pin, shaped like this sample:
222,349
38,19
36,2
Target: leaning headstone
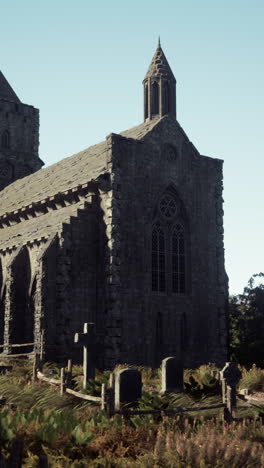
230,376
128,388
171,375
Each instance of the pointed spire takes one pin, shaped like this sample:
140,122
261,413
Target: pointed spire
6,92
159,65
159,87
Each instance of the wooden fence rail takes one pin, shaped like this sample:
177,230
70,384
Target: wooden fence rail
125,387
12,356
58,382
169,411
19,345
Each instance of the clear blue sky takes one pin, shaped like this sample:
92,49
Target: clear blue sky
82,64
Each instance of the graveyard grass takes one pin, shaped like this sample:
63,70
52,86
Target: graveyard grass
75,433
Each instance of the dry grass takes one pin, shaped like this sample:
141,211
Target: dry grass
74,434
252,378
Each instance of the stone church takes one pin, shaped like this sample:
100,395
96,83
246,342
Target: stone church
127,234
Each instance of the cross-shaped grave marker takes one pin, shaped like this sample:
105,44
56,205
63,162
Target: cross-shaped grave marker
87,341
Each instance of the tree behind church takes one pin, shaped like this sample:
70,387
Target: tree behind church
246,316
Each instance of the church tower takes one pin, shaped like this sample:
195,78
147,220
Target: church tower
19,136
159,87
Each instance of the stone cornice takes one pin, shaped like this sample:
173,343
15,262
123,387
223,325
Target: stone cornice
54,202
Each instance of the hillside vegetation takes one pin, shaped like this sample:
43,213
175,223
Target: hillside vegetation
77,434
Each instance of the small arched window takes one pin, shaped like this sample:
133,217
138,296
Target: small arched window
178,261
158,259
155,98
146,101
166,98
5,139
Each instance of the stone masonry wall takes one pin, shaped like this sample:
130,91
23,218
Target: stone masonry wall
146,169
21,157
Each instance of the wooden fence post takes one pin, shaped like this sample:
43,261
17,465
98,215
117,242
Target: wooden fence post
228,410
223,383
103,396
112,380
62,381
110,402
69,374
41,349
35,367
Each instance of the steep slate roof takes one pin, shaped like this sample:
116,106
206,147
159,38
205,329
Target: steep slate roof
6,92
36,228
63,175
159,65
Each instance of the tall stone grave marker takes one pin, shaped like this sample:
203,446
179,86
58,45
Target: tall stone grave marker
87,340
128,388
171,375
230,376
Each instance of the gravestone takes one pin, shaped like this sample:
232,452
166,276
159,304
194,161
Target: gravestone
87,341
171,375
128,388
230,376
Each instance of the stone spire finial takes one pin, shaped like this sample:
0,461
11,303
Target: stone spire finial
159,87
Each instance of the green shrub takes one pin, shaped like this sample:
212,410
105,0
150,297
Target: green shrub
253,379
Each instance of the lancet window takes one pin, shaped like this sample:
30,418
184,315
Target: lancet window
169,246
155,98
146,101
158,259
6,139
178,267
166,98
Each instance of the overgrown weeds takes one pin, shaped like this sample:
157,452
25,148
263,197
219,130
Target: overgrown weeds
252,379
77,434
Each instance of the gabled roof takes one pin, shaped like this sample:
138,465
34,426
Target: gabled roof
64,175
159,65
43,226
6,92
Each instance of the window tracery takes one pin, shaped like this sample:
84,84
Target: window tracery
168,206
169,247
178,259
158,259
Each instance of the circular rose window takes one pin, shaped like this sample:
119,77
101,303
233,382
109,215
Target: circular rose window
168,206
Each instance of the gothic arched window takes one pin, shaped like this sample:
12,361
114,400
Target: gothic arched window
155,98
178,260
146,101
5,139
170,259
166,98
158,259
